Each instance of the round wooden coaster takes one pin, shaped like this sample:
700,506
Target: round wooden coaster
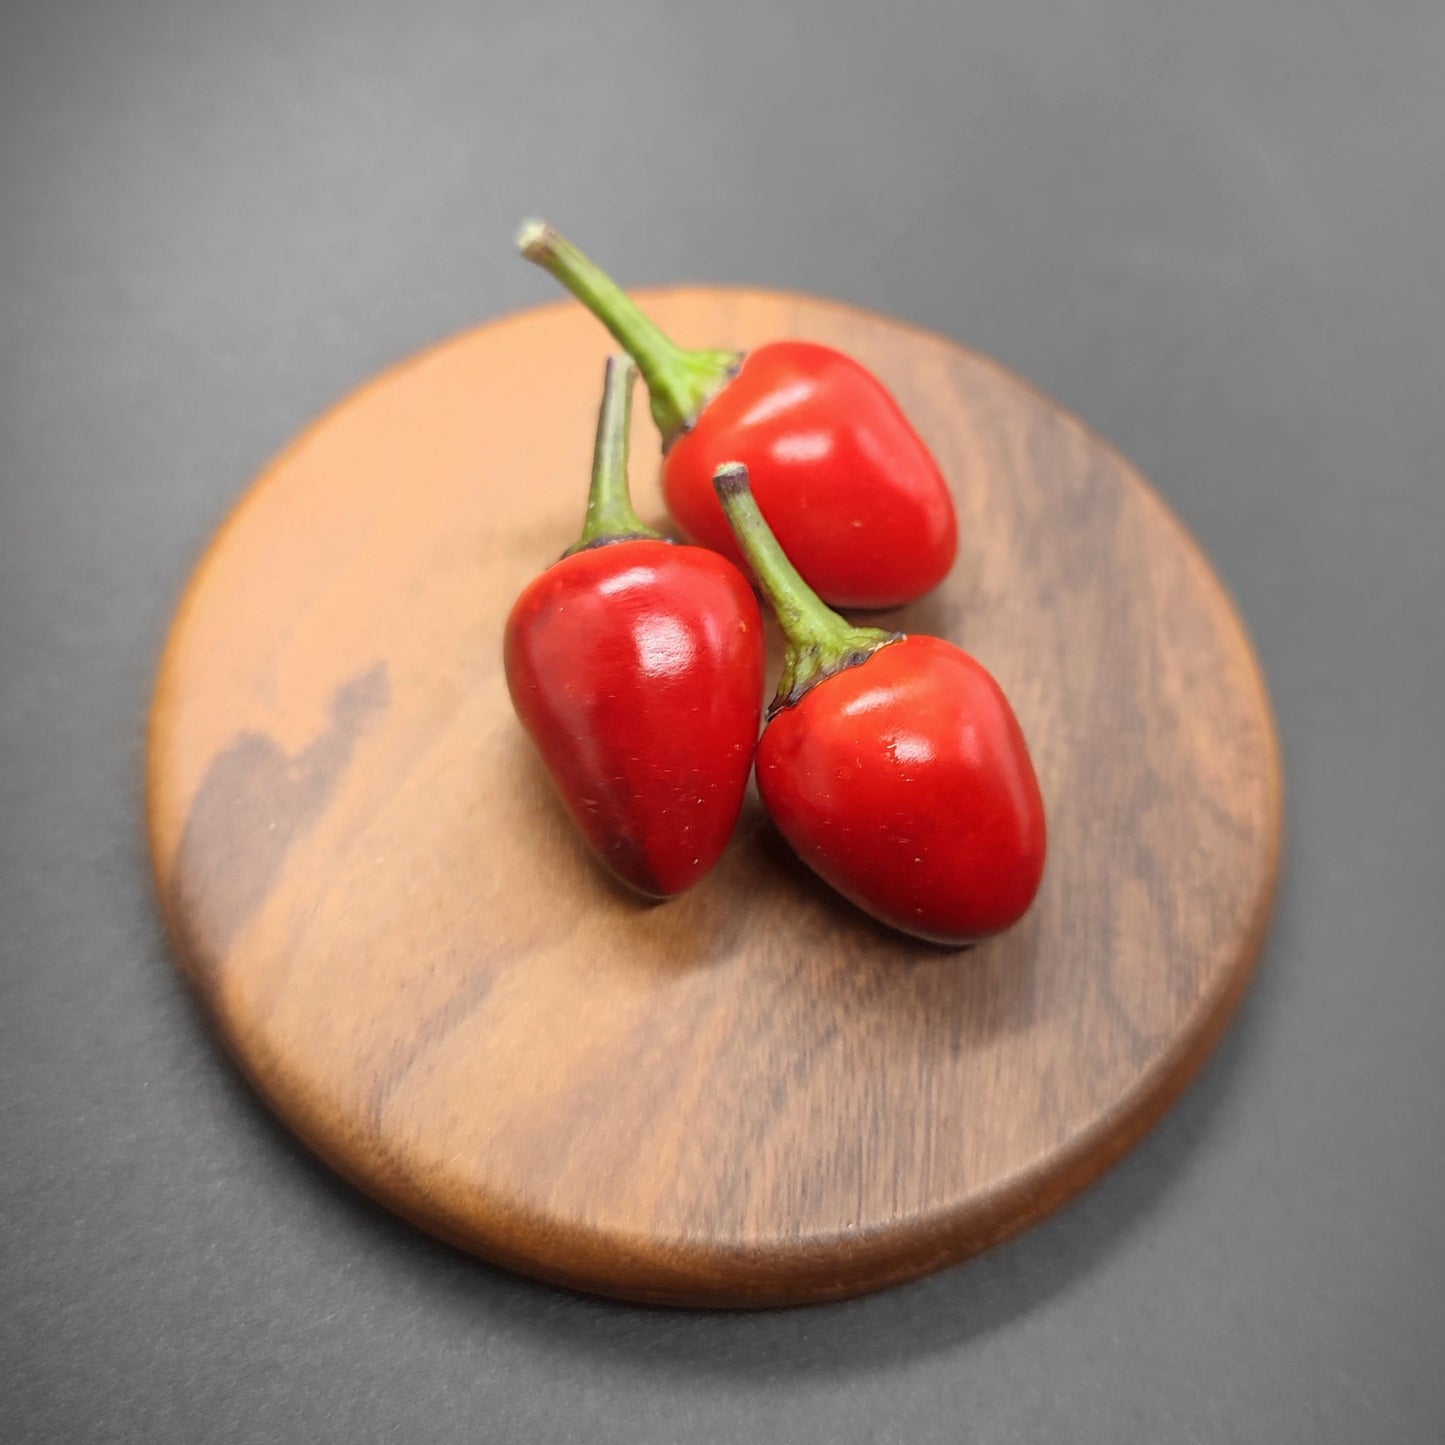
750,1094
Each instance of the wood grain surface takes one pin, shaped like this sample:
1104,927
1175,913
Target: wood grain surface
751,1094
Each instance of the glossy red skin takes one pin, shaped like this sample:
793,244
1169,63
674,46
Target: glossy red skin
905,782
852,493
637,669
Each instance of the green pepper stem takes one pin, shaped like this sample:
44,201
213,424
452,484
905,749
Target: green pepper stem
679,382
820,642
610,515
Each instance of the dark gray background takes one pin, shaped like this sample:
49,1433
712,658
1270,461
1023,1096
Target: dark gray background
1213,230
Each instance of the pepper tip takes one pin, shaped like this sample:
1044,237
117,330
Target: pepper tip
730,479
534,239
621,370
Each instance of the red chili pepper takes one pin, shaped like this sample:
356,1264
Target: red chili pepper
854,495
893,765
636,665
